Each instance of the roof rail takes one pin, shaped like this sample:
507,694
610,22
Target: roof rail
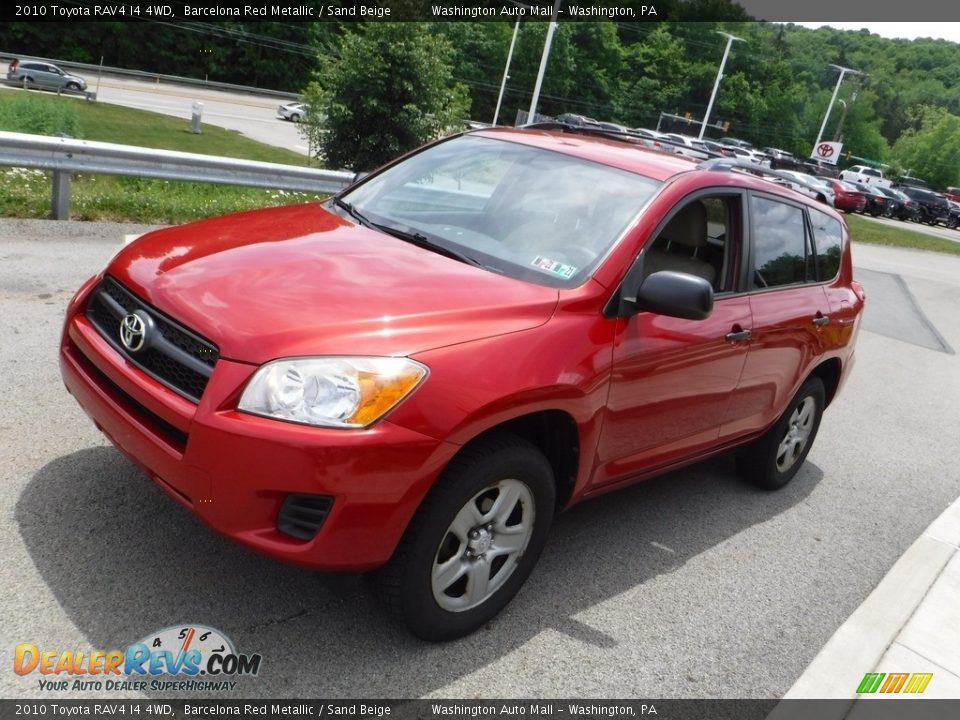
640,140
585,129
725,164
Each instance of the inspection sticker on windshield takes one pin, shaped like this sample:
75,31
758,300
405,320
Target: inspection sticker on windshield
553,267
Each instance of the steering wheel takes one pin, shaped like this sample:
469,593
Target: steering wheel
529,239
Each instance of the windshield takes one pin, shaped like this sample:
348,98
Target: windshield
525,212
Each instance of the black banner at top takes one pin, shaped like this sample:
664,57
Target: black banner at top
475,10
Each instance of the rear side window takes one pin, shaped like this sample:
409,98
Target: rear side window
827,239
780,254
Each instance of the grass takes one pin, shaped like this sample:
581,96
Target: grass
26,193
863,230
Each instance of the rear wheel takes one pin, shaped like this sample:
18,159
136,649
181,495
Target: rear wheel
771,461
474,540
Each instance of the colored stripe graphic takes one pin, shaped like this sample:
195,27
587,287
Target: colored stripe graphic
918,682
870,683
895,681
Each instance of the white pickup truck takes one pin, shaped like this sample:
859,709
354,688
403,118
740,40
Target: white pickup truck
866,175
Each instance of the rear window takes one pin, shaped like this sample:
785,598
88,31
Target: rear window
779,245
828,239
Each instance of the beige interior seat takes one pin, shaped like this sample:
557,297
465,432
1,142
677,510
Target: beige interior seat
679,242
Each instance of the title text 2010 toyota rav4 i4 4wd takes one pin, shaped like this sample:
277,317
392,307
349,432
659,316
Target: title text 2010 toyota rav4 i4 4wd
415,376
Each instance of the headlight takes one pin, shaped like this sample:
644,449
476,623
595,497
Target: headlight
347,392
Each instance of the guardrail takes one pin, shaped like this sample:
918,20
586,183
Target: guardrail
65,156
58,89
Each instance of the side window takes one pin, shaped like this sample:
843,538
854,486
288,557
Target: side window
702,238
780,254
827,238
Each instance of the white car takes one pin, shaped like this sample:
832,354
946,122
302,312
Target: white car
865,174
750,156
293,112
810,186
686,145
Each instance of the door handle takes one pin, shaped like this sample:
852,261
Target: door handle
821,320
738,336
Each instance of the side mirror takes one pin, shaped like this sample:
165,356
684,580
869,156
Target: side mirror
675,294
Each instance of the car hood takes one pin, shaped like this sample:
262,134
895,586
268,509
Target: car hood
300,280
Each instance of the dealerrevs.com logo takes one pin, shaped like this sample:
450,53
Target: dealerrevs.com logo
181,657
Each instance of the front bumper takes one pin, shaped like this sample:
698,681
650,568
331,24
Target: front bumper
234,470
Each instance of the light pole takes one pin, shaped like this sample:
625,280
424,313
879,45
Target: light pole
837,134
506,72
716,85
823,126
531,116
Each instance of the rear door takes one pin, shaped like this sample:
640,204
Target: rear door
790,313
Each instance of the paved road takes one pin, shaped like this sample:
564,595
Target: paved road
253,115
692,585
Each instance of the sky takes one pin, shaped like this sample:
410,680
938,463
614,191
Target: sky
908,30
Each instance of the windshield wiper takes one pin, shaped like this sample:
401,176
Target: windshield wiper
410,236
353,212
421,240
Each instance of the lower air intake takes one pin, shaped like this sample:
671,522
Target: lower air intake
302,515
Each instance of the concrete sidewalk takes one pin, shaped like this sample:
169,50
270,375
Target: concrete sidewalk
909,624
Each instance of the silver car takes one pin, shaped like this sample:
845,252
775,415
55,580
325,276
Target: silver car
44,75
293,112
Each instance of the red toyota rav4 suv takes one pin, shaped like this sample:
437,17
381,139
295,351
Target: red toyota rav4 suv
416,375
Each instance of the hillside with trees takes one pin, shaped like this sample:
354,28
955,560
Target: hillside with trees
904,111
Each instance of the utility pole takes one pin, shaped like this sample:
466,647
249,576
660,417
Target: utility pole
823,126
506,72
716,85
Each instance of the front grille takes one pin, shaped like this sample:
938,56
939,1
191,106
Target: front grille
174,436
172,354
302,515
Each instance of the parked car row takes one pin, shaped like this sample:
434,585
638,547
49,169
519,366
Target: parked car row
858,189
908,198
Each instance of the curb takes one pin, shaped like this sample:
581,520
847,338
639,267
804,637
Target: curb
863,640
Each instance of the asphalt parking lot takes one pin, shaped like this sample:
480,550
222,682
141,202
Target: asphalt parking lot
691,585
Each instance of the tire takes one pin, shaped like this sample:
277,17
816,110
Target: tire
72,86
446,578
295,118
771,461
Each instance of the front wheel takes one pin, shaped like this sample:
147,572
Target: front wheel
771,461
72,86
474,540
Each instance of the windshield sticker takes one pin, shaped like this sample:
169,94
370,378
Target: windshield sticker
553,267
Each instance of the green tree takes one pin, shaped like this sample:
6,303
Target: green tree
658,70
390,90
931,148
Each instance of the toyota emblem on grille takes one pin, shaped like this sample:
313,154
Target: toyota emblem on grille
133,332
